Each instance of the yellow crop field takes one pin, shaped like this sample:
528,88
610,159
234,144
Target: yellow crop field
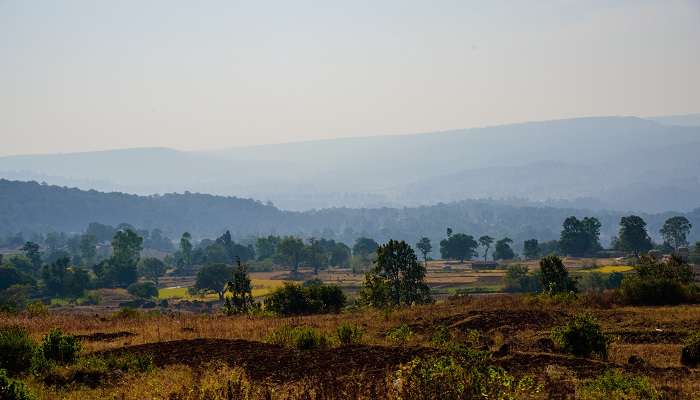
261,287
608,269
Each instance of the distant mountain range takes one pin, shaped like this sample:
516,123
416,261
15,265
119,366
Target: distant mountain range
30,207
616,163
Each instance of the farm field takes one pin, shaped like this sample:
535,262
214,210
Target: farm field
200,356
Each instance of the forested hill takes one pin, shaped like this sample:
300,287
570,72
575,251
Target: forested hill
32,207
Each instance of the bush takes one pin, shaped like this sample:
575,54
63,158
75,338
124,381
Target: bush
298,337
16,349
456,377
311,298
613,385
441,335
690,354
653,291
143,290
555,277
349,334
37,309
582,337
59,347
11,389
401,334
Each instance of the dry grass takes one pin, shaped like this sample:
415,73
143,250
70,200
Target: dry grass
653,327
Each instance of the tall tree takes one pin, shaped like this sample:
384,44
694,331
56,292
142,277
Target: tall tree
290,250
88,248
31,250
265,247
458,247
186,249
214,277
425,248
675,231
364,247
152,268
580,237
241,291
531,249
486,241
397,277
503,250
633,235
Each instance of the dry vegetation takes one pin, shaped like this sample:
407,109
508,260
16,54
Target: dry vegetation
212,356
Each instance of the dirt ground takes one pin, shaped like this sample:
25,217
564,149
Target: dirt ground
516,329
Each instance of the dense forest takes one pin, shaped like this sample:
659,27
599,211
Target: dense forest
30,207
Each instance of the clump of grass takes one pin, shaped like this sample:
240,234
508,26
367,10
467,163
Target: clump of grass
298,337
614,385
400,334
349,334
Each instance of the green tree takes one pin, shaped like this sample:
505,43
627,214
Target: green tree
60,279
633,235
241,289
531,249
458,246
675,231
425,248
503,250
364,247
265,247
186,250
88,248
31,251
126,248
152,268
486,241
555,277
580,237
397,277
214,277
290,250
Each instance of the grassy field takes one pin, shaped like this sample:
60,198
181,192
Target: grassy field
261,287
197,355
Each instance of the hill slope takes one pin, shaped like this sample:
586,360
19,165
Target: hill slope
622,162
32,207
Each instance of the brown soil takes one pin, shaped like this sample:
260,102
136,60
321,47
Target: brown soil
276,363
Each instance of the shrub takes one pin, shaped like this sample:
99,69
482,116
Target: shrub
582,337
16,349
690,354
613,385
312,298
349,334
401,334
555,277
453,377
11,389
441,335
143,290
37,309
653,291
127,313
298,337
59,347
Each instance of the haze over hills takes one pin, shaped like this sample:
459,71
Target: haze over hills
617,163
30,207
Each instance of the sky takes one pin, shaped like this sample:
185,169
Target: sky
90,75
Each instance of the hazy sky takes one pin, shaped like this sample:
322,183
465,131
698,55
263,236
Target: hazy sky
85,75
